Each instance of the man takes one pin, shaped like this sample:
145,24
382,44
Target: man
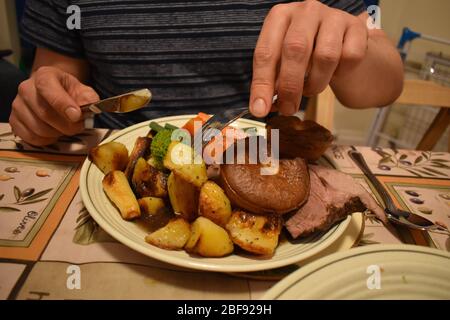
198,56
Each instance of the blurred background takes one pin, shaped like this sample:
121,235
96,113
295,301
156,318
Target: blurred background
427,56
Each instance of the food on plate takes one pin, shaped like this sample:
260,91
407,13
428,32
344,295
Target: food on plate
119,192
141,149
166,187
181,159
159,146
151,205
278,193
208,239
148,181
173,236
214,204
304,139
130,102
183,197
255,233
333,196
109,156
201,118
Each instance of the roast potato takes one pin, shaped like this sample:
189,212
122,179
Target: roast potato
181,159
254,233
214,204
109,156
183,197
148,181
141,149
151,205
116,187
172,236
208,239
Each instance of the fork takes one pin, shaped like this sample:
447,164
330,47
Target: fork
220,121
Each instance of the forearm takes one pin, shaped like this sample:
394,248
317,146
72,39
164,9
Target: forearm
376,81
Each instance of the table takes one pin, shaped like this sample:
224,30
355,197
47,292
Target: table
47,237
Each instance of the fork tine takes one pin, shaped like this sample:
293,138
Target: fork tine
208,123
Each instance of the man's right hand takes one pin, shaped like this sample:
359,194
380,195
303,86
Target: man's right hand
47,106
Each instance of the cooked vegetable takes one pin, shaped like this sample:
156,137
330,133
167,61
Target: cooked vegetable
141,149
214,204
160,144
151,205
208,239
170,126
156,126
148,181
116,187
182,160
109,156
253,233
183,197
173,236
201,117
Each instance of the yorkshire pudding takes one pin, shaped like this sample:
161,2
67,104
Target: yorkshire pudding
279,193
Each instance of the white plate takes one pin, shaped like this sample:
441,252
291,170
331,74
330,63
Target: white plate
406,272
131,235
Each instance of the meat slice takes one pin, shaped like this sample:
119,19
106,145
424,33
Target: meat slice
333,196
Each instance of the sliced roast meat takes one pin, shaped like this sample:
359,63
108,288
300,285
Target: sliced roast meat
333,196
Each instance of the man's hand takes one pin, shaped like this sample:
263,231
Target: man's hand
47,106
299,48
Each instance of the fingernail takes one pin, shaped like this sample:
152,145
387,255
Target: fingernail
259,108
73,114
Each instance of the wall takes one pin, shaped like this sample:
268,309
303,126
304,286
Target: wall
9,38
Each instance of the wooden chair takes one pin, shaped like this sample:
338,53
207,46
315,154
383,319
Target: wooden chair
415,93
420,93
321,109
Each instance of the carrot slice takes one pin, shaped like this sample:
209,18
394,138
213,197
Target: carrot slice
201,117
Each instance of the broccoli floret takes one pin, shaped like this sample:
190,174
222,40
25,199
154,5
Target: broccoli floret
160,144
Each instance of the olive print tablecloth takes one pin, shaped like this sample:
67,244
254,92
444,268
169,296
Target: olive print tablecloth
45,231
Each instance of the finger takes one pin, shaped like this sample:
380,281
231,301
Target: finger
297,48
34,123
46,114
265,60
52,86
84,94
326,55
21,130
355,43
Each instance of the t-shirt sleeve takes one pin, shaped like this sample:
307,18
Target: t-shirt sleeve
44,25
354,7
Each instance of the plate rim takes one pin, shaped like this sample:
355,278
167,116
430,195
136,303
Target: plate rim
177,261
279,288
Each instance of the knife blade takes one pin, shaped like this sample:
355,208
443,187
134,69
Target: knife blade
123,103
